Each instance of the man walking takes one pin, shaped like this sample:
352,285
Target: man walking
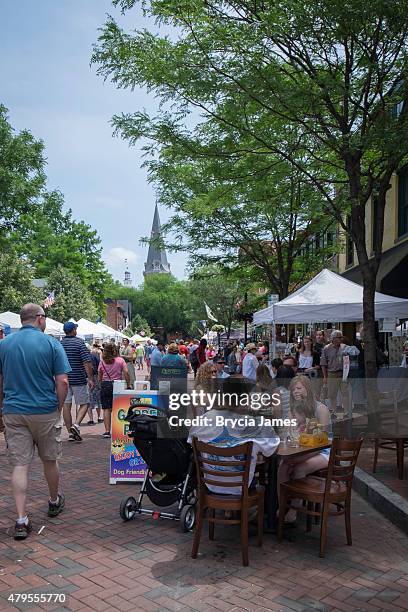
331,362
81,373
33,387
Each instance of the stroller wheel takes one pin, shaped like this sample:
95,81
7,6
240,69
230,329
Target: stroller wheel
187,518
127,509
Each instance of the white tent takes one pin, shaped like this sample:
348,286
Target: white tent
87,328
138,338
10,318
53,327
109,332
329,297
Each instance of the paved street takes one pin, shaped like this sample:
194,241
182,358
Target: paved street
101,563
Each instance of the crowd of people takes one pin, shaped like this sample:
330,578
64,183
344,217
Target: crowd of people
40,378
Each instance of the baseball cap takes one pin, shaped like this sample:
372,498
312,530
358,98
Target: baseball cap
69,326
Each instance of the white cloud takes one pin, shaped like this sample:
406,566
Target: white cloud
117,255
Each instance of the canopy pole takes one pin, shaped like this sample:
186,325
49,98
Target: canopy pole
273,339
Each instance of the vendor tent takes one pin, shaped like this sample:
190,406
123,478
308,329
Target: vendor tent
11,319
109,332
138,338
55,328
87,328
329,297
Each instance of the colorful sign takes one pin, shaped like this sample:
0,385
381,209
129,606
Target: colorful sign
126,464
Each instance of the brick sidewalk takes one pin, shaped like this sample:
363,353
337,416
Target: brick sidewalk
386,468
101,563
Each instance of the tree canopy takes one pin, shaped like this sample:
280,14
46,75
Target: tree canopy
320,85
39,235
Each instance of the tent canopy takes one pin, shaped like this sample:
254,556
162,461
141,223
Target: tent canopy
87,328
138,338
11,318
107,331
329,297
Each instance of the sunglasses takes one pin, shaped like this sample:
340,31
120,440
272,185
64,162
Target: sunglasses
41,315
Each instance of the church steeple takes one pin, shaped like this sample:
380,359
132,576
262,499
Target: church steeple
156,258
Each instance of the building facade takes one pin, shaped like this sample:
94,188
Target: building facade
392,274
118,313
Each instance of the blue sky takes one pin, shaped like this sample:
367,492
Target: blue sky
49,88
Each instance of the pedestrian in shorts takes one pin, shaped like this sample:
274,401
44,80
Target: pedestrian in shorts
80,380
33,387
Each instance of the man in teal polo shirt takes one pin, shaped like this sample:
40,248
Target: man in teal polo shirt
33,387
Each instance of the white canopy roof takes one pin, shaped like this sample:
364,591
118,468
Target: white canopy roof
11,318
138,338
105,331
329,297
87,328
55,328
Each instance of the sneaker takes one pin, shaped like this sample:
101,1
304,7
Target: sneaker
100,420
76,432
71,438
90,423
22,531
106,434
55,509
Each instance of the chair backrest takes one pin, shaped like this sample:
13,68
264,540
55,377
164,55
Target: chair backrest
223,466
342,462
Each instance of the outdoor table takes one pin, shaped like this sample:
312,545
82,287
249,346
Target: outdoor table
271,494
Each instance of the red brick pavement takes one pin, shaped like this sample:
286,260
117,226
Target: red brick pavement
386,468
101,563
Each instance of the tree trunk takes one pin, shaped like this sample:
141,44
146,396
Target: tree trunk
370,347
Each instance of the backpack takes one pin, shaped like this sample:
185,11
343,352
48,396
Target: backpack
194,358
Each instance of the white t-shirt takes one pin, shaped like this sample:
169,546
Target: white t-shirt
264,441
250,366
305,361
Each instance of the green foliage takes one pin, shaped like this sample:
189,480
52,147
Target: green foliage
139,324
16,286
72,298
33,221
22,177
321,86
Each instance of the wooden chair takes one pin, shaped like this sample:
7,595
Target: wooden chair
226,467
321,493
387,423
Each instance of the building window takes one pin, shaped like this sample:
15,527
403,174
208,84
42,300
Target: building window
349,244
403,202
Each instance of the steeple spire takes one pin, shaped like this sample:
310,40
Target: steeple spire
156,258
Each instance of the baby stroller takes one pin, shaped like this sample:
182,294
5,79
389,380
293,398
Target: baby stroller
170,476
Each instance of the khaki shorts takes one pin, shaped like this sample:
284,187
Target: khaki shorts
24,432
80,393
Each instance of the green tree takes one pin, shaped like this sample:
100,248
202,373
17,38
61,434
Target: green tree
322,85
140,325
72,298
16,286
53,238
22,177
33,222
221,290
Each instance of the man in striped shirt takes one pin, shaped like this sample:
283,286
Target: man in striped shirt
80,379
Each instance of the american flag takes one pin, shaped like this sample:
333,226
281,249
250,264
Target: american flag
49,300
